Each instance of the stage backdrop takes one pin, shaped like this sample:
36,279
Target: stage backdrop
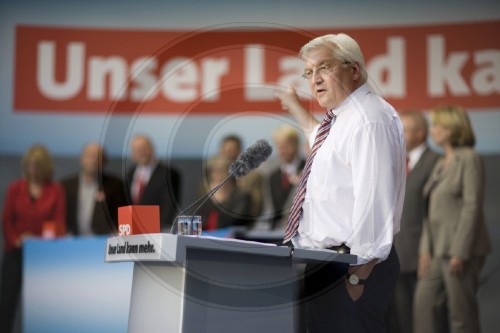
78,71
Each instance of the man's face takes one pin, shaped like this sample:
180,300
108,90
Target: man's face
414,136
334,82
141,151
410,132
230,149
89,159
287,149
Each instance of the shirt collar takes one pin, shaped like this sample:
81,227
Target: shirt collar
85,182
362,90
290,168
148,168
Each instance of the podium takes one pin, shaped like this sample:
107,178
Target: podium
206,284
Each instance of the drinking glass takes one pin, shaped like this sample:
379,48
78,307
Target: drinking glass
184,225
189,225
196,225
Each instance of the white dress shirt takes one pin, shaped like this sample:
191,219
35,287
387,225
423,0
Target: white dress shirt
291,168
356,187
87,192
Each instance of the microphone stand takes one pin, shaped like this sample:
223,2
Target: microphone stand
205,197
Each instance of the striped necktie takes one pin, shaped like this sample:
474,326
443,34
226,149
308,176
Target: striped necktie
298,200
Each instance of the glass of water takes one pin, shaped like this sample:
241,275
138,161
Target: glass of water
184,225
189,225
196,225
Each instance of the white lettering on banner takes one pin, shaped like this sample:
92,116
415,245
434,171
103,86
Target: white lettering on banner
442,72
99,70
392,67
124,230
144,85
486,80
184,80
255,67
180,78
46,80
213,71
257,89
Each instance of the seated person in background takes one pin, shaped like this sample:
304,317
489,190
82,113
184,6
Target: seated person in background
286,176
230,148
29,203
230,205
92,200
151,182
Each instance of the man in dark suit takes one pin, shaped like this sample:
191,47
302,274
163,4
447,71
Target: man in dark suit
151,182
92,199
420,162
284,179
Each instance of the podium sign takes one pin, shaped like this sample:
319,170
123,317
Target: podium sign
205,284
138,219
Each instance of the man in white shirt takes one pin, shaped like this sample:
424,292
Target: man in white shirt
352,189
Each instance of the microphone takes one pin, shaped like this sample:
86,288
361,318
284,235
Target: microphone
244,163
251,158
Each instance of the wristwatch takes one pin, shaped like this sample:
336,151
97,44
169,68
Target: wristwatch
354,279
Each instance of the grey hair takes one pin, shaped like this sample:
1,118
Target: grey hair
344,48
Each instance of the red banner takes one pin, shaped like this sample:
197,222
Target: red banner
228,70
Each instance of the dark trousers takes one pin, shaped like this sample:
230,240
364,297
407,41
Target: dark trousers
329,308
400,315
10,288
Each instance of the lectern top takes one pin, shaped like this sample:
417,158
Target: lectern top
172,248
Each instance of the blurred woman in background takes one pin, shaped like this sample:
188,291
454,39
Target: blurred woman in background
30,202
230,205
455,241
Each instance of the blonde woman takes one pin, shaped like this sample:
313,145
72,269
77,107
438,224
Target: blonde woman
455,240
230,205
30,201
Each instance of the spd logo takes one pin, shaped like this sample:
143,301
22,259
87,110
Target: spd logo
124,230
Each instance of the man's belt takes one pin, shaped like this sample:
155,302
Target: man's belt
340,248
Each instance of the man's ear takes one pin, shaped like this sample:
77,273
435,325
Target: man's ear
356,71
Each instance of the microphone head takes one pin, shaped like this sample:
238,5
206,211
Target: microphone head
251,158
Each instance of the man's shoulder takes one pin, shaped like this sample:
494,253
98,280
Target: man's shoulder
430,155
275,170
111,179
371,109
70,180
164,168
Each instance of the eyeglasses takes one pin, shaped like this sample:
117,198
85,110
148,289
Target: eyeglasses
322,69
